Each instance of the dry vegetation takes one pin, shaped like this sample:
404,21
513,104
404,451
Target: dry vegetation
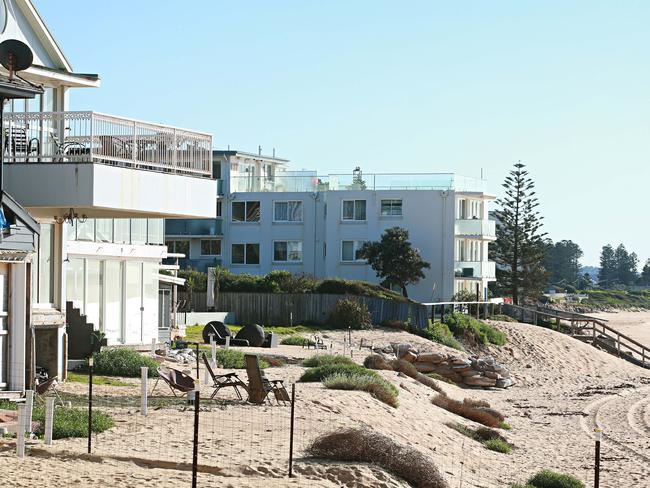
358,445
482,415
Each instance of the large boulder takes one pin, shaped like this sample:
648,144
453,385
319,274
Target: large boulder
219,329
252,333
431,357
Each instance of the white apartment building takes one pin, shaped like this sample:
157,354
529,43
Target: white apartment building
99,186
271,218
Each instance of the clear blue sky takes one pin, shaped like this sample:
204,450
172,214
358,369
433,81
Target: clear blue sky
397,87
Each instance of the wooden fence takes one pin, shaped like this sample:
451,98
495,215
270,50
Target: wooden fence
294,308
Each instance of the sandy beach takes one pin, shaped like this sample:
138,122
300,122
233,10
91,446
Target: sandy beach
564,389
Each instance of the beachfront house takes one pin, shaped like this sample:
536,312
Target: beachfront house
272,218
99,187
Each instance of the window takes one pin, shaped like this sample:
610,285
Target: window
287,251
216,170
350,250
246,211
290,211
210,247
179,247
219,209
354,210
391,208
245,254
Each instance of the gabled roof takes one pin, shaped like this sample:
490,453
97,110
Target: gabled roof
40,28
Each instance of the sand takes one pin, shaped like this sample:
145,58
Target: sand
564,390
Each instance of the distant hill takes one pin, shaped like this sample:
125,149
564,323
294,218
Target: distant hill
592,271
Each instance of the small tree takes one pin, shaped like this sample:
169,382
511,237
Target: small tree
607,274
645,274
394,260
519,249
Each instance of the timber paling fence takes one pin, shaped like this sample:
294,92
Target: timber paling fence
295,308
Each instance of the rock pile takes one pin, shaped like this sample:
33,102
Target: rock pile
474,371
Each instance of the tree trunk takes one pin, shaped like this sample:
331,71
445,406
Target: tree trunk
404,292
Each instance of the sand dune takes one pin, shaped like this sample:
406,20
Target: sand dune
564,390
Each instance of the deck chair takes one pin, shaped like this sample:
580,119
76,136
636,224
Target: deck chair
224,380
259,386
19,143
42,388
176,380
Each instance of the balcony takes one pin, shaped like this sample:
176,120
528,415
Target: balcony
106,166
475,269
194,227
476,228
309,181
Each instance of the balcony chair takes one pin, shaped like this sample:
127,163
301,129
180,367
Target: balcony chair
20,144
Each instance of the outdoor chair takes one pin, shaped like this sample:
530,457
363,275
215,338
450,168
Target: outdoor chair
49,385
19,144
259,386
176,380
224,380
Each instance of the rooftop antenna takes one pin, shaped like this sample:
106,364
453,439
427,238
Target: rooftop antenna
15,56
274,152
259,150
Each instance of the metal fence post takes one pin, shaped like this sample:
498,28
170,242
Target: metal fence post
90,403
49,419
599,436
195,453
144,375
20,440
293,406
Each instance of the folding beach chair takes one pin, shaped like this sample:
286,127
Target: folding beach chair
224,380
259,386
42,388
176,380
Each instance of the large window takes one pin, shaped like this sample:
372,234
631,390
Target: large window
287,251
180,247
391,208
354,210
350,251
245,254
246,211
210,247
289,211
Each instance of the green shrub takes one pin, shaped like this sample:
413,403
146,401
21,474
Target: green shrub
550,479
234,359
349,313
440,333
498,445
296,340
121,362
8,405
474,331
323,359
379,388
321,372
72,422
375,361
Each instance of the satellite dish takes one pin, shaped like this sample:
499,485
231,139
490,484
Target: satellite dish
15,55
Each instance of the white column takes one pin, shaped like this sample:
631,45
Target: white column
144,374
20,441
16,285
29,409
49,419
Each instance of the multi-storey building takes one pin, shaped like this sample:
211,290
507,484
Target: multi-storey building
271,218
99,186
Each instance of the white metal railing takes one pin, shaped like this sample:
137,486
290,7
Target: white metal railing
309,181
82,137
475,269
475,227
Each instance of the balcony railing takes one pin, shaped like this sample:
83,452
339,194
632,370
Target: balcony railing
310,182
475,227
90,137
475,269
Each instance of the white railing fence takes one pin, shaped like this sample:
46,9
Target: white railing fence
81,137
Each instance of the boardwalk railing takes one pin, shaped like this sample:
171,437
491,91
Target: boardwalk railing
586,328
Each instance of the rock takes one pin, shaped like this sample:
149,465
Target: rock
479,381
469,372
410,357
425,367
462,369
493,375
253,333
504,383
430,357
401,349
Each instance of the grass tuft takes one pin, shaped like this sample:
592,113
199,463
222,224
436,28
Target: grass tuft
467,411
234,359
72,422
121,362
375,361
498,445
550,479
296,340
365,446
379,388
323,359
75,377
